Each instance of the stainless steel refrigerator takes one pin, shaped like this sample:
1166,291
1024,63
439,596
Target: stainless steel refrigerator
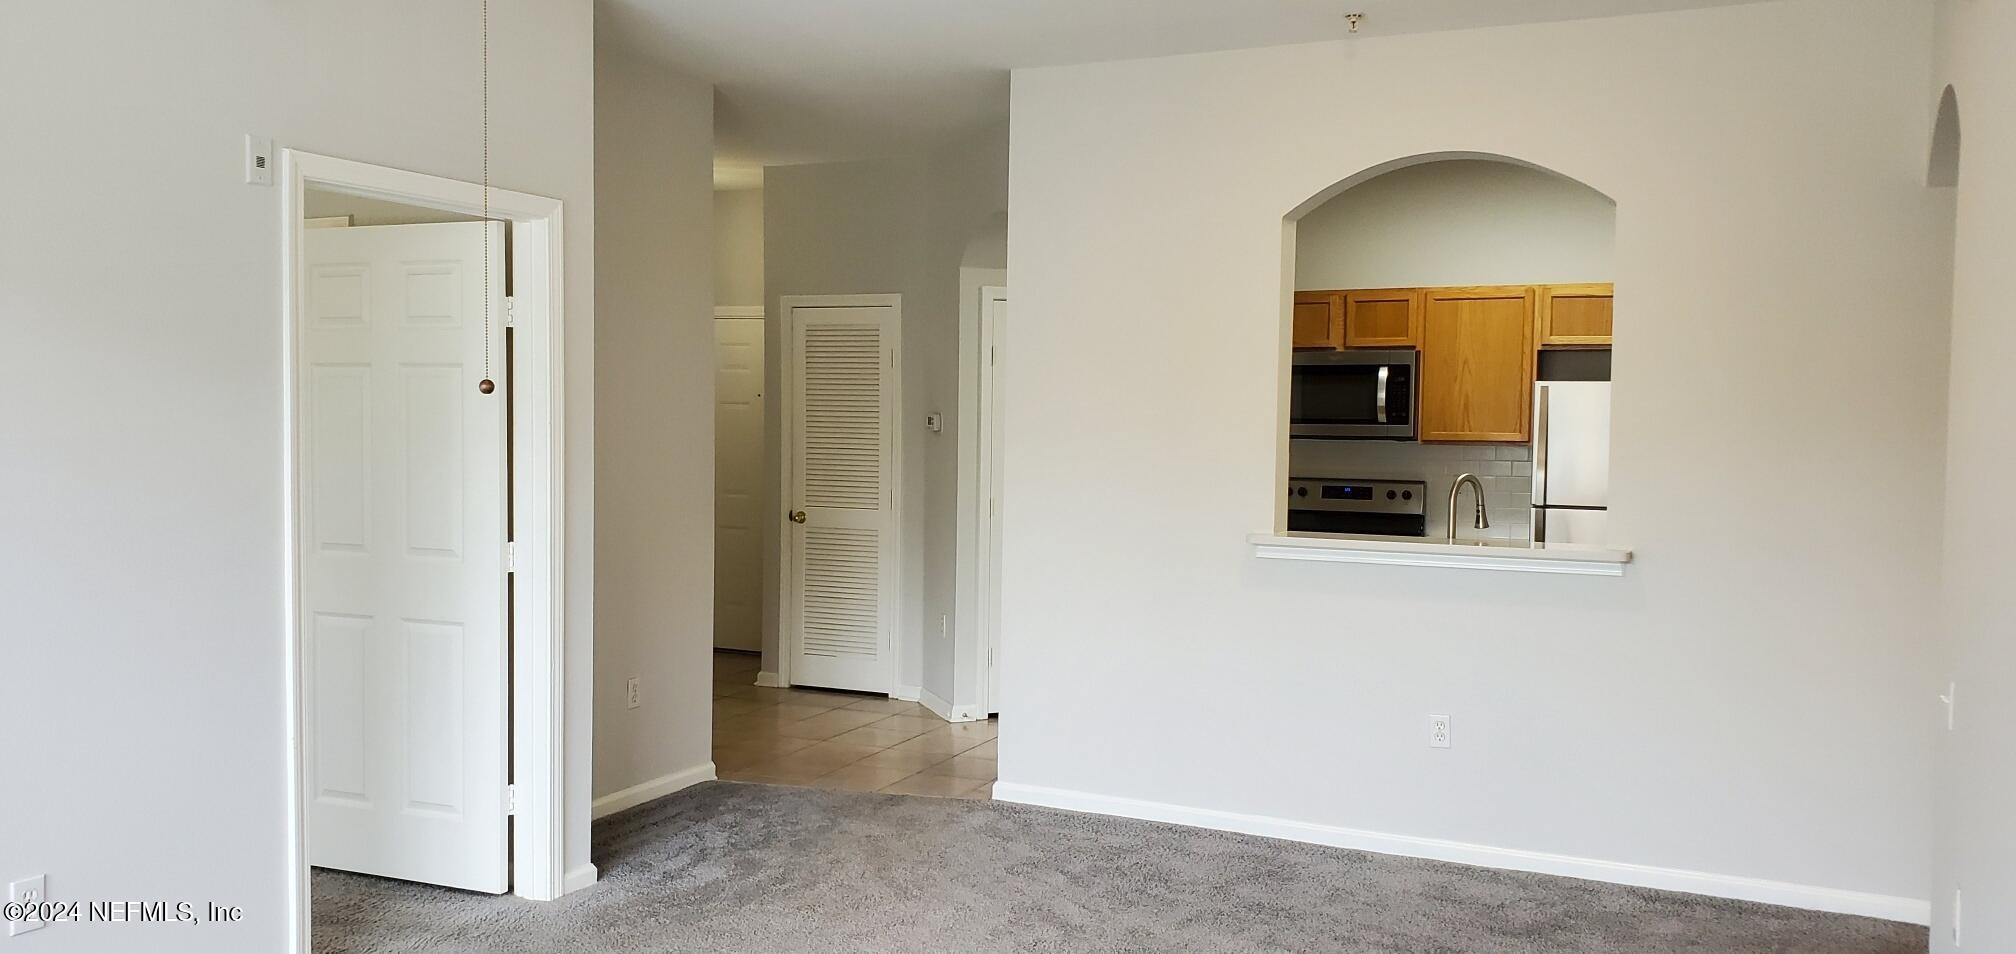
1571,461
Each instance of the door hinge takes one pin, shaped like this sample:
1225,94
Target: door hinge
510,312
990,355
510,556
510,799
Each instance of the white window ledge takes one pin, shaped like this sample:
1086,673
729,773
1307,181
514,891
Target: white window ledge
1517,556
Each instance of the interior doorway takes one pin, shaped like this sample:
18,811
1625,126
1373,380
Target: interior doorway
977,651
424,539
843,452
738,480
834,724
987,549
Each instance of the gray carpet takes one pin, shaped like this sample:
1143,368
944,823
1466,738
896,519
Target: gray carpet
737,867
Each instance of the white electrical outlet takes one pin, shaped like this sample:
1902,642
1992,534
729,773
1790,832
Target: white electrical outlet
33,890
944,627
635,693
1438,731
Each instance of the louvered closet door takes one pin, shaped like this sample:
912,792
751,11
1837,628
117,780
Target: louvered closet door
842,528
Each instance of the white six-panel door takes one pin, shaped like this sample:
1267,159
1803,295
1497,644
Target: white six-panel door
403,500
841,415
738,483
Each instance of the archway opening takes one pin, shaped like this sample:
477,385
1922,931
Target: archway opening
1450,337
1943,171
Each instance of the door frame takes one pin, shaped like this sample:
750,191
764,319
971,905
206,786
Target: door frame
987,516
788,640
732,312
538,594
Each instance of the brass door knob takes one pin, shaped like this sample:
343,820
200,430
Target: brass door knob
797,516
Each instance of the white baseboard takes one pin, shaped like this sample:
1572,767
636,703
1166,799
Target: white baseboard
578,878
656,788
948,711
1809,897
906,693
772,680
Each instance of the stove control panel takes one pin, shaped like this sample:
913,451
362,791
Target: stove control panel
1359,496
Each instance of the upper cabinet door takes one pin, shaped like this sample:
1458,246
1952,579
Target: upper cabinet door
1477,364
1575,314
1382,318
1318,320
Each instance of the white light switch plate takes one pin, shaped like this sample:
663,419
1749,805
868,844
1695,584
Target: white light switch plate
28,891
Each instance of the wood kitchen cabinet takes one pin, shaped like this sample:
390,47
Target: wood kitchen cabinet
1575,315
1382,318
1477,353
1319,320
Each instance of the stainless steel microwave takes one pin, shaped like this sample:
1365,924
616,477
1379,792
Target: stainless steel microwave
1354,395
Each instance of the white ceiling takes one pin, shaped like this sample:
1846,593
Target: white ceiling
813,80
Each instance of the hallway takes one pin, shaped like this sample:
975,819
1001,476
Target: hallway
843,741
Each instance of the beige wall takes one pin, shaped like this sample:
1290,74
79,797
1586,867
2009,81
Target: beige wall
145,528
318,203
1751,701
851,228
654,492
1460,222
738,247
968,200
1977,828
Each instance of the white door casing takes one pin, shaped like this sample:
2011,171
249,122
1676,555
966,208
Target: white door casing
402,502
738,482
993,316
842,461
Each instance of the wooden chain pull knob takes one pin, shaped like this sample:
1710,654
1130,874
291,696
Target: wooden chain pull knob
487,386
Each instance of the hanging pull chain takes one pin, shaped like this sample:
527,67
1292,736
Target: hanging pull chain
487,385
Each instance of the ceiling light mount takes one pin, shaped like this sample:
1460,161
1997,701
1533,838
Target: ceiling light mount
1354,19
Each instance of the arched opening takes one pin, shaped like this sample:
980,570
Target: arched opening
988,248
1944,170
1450,334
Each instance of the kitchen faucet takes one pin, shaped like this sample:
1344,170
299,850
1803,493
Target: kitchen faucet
1483,519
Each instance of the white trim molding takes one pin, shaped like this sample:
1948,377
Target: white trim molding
653,790
946,710
1808,897
579,877
1577,559
738,311
771,680
907,693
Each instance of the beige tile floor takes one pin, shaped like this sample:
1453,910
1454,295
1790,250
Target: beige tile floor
842,740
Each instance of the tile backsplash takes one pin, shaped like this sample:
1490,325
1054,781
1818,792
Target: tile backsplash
1505,469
